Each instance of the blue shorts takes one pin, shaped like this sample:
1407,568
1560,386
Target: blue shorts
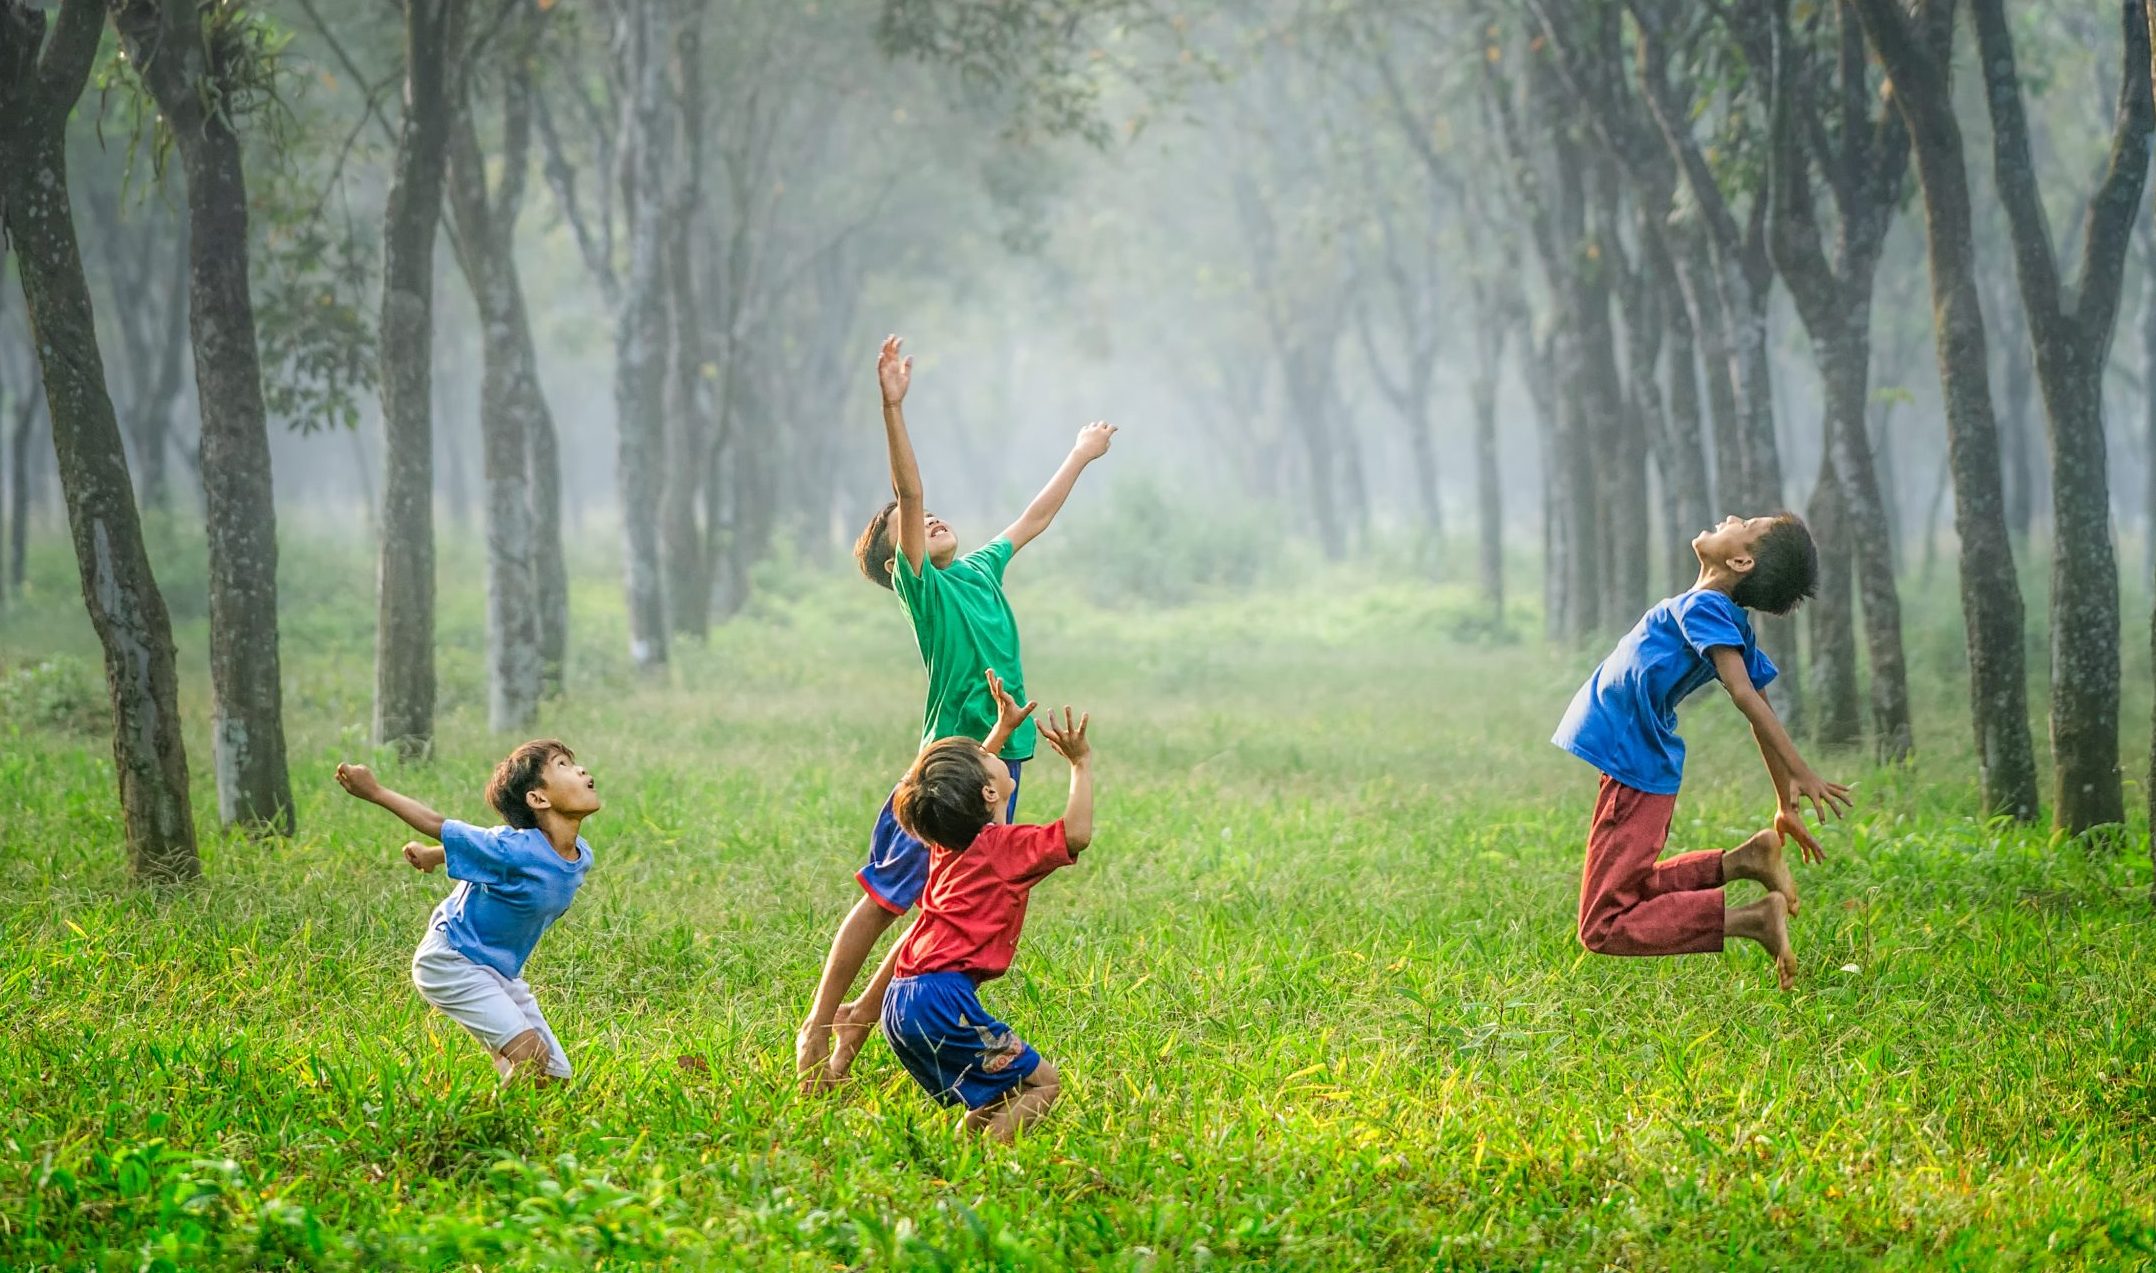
897,867
949,1043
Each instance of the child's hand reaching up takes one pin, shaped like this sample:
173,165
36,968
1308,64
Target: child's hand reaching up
1068,738
1010,714
893,373
423,857
1093,440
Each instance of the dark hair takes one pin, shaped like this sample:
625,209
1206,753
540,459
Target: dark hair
517,775
873,550
1785,568
939,800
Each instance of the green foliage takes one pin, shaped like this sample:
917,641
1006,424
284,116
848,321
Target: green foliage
1143,546
1314,990
313,320
62,693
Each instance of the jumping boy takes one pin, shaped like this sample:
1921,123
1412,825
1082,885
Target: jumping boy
512,883
963,628
1623,721
982,870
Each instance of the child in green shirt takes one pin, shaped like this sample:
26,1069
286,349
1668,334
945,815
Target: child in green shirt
967,636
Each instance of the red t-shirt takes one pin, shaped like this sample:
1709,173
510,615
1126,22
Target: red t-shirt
975,902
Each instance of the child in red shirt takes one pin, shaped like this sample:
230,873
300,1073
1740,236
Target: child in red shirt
980,874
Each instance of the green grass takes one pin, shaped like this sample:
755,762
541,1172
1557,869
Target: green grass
1314,992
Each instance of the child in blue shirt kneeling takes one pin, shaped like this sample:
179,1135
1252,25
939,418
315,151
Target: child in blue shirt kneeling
513,882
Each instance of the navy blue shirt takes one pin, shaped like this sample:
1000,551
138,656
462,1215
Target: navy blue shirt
512,886
1623,721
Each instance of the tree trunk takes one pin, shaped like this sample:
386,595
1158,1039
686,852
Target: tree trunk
254,788
1845,368
1833,667
509,396
29,404
550,570
404,682
640,335
1489,485
1990,592
118,588
2148,406
1543,390
1683,460
2016,437
1422,455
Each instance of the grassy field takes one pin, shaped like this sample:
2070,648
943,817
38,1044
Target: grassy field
1314,992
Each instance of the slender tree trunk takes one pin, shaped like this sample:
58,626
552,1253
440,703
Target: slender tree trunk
640,335
404,682
1489,485
254,788
550,568
2016,436
1845,369
150,425
2148,415
118,588
1422,455
1990,592
22,476
1684,462
1833,667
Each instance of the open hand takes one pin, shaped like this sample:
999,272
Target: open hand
893,372
1828,799
1093,440
359,780
1789,824
1068,737
1009,713
423,857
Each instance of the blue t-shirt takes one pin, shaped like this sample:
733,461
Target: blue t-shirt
1624,719
512,886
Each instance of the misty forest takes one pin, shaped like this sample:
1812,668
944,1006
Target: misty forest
387,383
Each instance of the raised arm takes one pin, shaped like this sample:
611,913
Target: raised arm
1091,445
1792,777
361,782
1010,714
1069,740
895,375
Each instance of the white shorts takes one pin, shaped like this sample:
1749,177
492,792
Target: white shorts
494,1008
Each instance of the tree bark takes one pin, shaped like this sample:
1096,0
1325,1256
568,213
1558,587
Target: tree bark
404,684
2070,329
181,62
640,333
1836,721
40,80
1990,592
2016,437
692,366
1683,460
483,229
22,482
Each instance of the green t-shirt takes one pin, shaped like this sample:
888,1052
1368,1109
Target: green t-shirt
963,625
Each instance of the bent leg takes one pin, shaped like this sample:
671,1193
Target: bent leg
857,1020
1021,1108
1630,904
850,949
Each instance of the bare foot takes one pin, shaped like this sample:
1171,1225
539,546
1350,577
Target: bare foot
1766,921
848,1036
812,1049
1760,858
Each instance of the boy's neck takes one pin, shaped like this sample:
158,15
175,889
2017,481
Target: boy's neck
1714,577
561,831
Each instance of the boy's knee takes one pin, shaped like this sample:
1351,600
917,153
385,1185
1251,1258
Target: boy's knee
1596,934
1044,1081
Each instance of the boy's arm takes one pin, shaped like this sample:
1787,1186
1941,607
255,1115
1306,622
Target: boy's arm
1010,714
1091,445
361,782
1068,739
895,375
1793,779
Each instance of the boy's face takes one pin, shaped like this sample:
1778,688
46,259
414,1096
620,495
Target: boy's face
942,543
1000,785
567,788
1731,543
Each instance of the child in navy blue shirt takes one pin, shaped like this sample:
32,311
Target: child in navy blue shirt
1623,721
513,882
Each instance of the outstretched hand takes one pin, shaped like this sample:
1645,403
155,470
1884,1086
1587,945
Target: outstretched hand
423,857
893,372
1093,440
1068,737
359,780
1789,824
1010,714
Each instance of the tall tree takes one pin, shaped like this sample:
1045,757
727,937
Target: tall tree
1915,53
640,331
41,77
203,66
2070,328
1822,118
2149,12
404,640
513,413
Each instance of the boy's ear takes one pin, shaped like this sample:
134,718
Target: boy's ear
535,800
1742,563
890,567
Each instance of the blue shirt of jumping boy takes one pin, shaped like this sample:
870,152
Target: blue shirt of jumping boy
513,886
1623,721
